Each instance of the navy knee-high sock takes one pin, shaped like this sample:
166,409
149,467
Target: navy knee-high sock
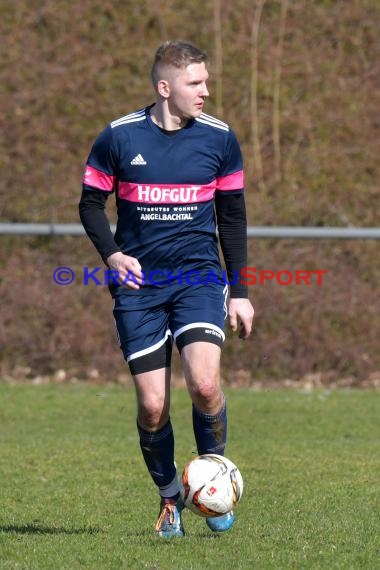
158,451
210,431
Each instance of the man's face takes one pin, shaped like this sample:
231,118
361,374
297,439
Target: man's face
188,90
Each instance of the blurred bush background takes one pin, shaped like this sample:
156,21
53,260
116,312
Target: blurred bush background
298,80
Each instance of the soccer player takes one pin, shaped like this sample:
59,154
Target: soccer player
177,174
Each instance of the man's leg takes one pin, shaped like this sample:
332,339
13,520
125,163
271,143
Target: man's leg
201,365
155,429
147,345
157,445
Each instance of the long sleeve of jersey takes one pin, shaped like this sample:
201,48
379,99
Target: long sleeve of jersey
232,226
95,222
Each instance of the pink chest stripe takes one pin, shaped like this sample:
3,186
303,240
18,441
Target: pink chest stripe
166,193
233,181
98,179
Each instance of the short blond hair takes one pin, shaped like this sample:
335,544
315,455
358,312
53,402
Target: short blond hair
177,54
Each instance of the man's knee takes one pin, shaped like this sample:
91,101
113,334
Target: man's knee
153,398
206,394
152,417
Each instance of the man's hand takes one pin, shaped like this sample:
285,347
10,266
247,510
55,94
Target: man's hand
240,314
127,269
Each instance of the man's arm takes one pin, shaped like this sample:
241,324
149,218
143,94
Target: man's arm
95,222
232,226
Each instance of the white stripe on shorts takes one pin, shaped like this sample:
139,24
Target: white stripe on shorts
197,326
150,348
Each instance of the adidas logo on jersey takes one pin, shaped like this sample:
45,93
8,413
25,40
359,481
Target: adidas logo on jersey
138,160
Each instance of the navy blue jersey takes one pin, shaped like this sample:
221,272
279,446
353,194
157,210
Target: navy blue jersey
165,187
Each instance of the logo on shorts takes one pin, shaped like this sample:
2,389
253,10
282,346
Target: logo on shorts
211,331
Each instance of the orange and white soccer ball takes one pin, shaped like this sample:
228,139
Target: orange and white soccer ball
211,485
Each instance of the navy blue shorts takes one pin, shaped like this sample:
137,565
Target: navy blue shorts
148,319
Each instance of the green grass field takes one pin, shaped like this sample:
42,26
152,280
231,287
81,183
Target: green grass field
74,492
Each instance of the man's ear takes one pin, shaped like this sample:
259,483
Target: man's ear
163,88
